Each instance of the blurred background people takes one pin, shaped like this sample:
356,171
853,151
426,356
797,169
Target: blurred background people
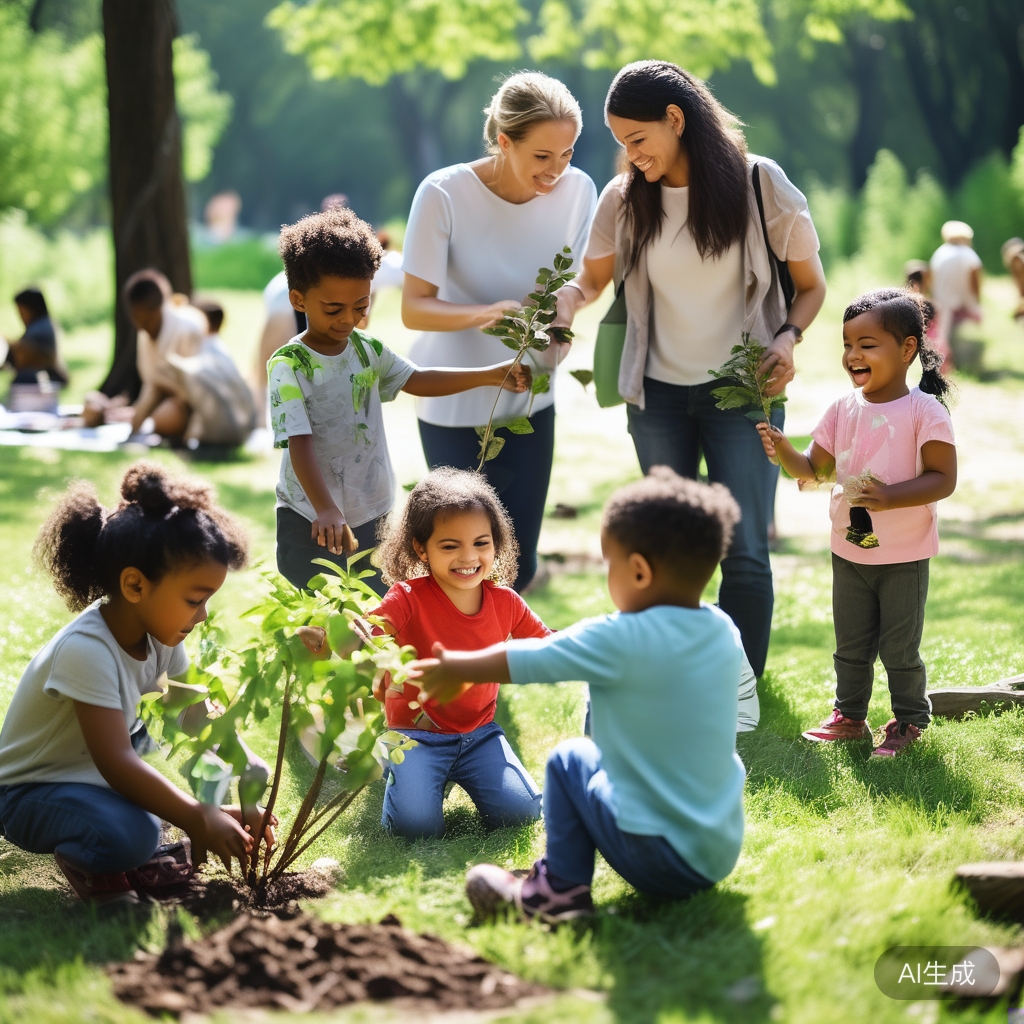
955,287
35,351
1013,259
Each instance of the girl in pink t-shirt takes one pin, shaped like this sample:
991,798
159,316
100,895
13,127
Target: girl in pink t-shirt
891,450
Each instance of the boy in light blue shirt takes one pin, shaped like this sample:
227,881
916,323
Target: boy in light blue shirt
659,789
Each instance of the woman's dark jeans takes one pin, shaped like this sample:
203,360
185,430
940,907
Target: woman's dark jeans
520,474
678,425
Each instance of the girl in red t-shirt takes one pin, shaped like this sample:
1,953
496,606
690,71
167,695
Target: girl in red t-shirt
449,556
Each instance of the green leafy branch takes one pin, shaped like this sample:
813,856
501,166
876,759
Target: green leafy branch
750,386
524,330
327,703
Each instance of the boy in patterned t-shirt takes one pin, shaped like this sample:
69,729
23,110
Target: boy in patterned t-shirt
336,479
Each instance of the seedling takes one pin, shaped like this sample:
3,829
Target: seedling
524,330
226,693
750,386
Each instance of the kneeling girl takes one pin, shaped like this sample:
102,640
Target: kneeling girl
450,556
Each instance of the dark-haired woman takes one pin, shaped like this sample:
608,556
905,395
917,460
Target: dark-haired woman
682,230
36,350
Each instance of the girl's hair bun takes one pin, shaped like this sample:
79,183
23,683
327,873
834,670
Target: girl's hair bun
149,486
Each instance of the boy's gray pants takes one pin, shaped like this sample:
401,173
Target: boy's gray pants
879,611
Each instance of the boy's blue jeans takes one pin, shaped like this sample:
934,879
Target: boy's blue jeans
579,819
678,425
482,762
96,829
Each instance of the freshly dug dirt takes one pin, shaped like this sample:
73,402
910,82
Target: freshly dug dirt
218,895
302,963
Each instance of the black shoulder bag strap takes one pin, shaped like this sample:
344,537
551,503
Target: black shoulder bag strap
781,269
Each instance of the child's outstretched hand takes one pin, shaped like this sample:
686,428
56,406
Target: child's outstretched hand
330,531
437,677
770,437
516,377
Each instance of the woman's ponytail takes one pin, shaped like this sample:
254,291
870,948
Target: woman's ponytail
67,544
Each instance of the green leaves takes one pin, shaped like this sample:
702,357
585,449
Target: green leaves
750,387
526,330
585,377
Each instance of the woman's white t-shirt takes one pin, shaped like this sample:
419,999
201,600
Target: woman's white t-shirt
478,248
41,740
698,303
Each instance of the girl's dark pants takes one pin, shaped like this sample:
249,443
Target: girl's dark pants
879,612
296,550
520,474
677,426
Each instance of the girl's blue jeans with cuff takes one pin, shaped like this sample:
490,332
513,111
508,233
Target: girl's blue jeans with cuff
482,762
579,820
520,474
96,829
678,425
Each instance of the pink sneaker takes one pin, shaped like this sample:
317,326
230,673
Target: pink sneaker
897,736
492,889
168,873
838,727
97,888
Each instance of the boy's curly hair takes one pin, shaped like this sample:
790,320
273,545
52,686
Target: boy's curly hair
444,492
333,243
161,524
672,521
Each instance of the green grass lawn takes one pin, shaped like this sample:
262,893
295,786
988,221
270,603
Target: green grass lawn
843,856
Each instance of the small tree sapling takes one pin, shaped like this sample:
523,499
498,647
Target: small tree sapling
226,693
524,330
749,386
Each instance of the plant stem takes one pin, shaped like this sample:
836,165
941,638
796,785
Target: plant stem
295,833
282,864
278,767
489,430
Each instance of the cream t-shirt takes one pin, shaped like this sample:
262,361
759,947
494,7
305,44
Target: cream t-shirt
698,303
41,740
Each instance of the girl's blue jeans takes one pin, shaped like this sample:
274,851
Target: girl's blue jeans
677,426
482,762
96,829
579,820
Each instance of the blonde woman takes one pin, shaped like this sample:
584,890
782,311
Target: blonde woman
477,235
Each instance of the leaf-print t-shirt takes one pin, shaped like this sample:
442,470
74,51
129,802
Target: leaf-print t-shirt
885,438
337,399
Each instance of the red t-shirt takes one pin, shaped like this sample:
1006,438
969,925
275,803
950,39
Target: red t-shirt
421,615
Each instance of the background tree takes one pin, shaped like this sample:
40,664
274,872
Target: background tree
147,189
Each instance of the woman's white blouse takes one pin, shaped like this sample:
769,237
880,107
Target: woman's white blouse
477,249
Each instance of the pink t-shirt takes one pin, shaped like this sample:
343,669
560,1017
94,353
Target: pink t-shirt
886,439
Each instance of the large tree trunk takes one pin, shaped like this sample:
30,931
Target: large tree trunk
147,190
864,72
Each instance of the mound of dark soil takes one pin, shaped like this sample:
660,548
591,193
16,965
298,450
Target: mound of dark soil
217,895
302,963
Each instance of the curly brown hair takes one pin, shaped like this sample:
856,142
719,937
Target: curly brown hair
673,521
443,492
161,524
333,243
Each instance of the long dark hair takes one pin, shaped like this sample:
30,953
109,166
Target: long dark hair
162,524
443,492
906,314
643,91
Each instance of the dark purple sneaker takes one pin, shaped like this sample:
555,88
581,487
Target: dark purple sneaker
167,874
492,889
106,889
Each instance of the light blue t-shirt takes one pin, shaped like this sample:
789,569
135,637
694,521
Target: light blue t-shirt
664,691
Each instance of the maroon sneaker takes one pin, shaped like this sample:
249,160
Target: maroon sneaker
113,888
168,873
492,889
896,737
838,727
